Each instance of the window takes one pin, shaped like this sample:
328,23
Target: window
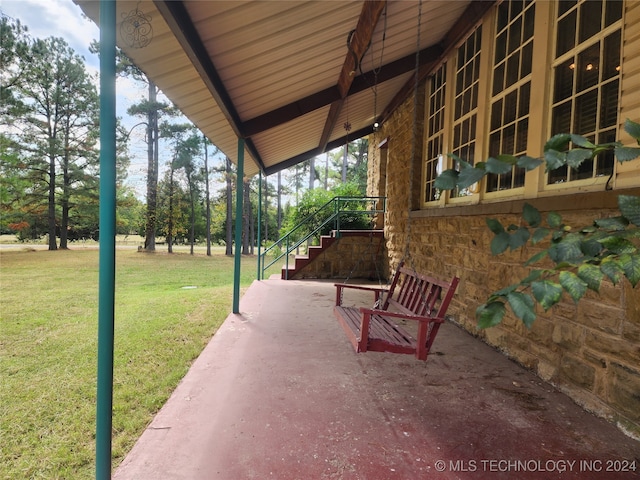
511,88
467,78
435,131
586,79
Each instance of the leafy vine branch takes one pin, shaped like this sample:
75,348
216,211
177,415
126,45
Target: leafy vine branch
576,259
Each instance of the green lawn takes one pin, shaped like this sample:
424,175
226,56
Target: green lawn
48,344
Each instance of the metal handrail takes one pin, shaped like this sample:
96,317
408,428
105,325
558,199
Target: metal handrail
334,212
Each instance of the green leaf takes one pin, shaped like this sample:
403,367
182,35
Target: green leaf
633,129
469,176
529,163
539,235
612,224
554,220
591,275
503,292
618,245
495,226
573,285
631,266
519,238
629,205
558,142
567,249
546,293
625,154
500,243
447,180
510,159
591,247
536,258
581,141
497,166
576,156
490,314
612,269
522,305
555,159
531,215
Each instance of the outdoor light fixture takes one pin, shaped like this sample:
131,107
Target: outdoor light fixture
376,126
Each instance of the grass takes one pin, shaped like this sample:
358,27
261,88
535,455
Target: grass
48,345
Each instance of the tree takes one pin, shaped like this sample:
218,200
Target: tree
54,113
577,259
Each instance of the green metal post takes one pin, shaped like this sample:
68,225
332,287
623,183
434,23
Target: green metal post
107,256
259,222
238,236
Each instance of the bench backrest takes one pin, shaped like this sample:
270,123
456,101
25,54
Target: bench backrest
413,292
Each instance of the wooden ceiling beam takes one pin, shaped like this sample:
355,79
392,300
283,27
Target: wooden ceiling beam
360,39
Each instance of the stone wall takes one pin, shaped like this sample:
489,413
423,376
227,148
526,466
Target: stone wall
590,351
349,257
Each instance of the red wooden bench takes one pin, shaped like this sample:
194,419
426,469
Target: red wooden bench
412,297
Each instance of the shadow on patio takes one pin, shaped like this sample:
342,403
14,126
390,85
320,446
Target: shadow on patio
279,393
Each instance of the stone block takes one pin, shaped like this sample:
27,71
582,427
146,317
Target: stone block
576,371
624,390
568,335
596,315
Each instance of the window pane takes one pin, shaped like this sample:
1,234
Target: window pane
605,160
586,111
498,79
495,143
566,34
510,107
563,87
521,136
613,12
513,67
527,59
515,34
609,105
518,177
529,17
588,62
508,140
611,54
496,115
525,96
590,19
501,48
561,118
565,6
503,15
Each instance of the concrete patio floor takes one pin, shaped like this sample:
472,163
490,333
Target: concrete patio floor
280,393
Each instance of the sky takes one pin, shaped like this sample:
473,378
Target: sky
63,18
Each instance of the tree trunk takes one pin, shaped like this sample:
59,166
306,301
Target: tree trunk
344,163
229,220
64,204
192,233
152,172
52,203
312,172
170,223
326,172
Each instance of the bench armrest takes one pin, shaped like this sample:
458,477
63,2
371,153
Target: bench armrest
340,286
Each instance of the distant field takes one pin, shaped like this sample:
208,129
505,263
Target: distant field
48,342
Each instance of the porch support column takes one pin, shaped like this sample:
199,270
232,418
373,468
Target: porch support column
238,236
107,255
259,277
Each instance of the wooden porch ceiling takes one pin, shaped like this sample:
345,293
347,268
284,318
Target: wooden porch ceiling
279,74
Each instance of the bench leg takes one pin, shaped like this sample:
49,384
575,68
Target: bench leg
364,332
